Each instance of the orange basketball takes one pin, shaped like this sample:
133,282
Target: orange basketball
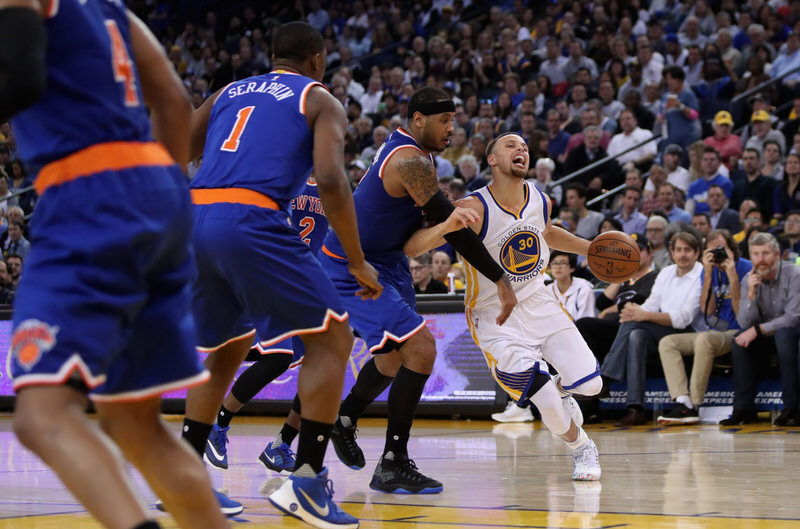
613,257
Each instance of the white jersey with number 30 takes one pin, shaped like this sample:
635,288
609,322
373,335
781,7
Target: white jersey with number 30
515,240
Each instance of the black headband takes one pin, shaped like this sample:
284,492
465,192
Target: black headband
428,109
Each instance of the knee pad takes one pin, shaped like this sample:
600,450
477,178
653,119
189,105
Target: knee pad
593,386
549,404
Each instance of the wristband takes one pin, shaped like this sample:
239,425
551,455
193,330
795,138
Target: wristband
757,327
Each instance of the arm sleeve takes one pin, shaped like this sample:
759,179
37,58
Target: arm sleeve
791,313
464,241
23,42
653,301
585,302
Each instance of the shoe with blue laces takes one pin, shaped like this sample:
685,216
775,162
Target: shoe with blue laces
216,449
278,458
309,497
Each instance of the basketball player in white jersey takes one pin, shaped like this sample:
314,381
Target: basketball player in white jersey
515,227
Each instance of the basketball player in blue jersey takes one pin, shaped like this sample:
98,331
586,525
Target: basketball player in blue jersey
270,363
260,138
398,187
515,226
102,311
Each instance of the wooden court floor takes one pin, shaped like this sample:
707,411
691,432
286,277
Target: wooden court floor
495,476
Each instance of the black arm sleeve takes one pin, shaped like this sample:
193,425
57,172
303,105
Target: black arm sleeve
23,42
465,241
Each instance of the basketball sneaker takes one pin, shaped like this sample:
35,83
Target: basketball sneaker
587,463
399,474
228,506
278,458
574,410
680,414
514,413
216,449
343,439
311,500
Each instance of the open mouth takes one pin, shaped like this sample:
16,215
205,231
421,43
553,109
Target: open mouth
519,161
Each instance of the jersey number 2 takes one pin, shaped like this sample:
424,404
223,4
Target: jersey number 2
122,64
231,143
307,223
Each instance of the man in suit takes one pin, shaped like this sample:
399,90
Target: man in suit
722,217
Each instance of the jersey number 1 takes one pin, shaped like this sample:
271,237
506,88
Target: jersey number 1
122,64
231,143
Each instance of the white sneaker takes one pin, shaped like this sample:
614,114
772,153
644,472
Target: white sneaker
514,413
587,463
571,405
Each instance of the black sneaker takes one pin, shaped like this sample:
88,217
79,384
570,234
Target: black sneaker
344,442
680,414
787,417
740,417
402,477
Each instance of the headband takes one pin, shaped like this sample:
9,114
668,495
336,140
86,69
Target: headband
428,109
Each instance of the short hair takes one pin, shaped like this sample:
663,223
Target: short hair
573,259
424,259
468,159
296,41
572,213
490,147
754,150
709,148
763,238
428,94
729,241
772,142
547,162
15,223
687,238
632,188
719,187
792,212
629,111
676,72
657,219
698,214
579,188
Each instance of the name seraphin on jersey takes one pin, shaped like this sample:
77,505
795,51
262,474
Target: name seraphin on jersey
520,252
278,90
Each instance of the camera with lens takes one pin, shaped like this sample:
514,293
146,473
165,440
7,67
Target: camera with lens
719,254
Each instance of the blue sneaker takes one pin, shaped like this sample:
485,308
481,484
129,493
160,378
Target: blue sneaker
311,500
216,449
279,459
228,506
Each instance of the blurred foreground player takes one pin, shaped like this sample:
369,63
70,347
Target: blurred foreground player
103,308
260,138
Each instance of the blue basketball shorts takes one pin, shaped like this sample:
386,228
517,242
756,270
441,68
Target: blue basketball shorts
387,322
256,277
105,296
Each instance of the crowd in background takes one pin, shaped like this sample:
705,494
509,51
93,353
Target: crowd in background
636,96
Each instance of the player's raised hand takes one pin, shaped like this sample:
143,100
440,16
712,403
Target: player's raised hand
367,277
508,300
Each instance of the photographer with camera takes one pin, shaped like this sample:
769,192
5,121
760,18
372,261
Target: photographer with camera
719,303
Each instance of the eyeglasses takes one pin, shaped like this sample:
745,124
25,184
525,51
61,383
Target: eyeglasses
417,268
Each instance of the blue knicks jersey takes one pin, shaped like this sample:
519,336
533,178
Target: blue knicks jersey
93,93
308,217
385,223
258,137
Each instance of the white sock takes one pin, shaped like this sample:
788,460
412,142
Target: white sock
578,443
686,401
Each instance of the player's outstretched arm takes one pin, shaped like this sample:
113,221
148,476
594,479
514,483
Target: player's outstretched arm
419,180
329,124
560,239
427,239
23,46
199,126
163,91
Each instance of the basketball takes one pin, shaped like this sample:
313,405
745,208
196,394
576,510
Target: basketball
613,257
